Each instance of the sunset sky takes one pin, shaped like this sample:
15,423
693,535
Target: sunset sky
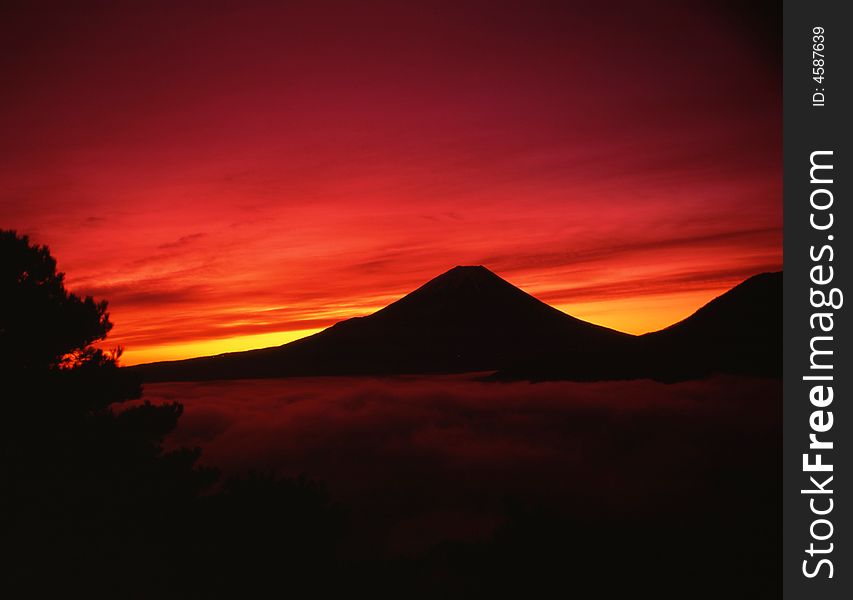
236,175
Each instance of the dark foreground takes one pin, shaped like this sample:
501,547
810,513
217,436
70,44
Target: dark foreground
452,487
427,487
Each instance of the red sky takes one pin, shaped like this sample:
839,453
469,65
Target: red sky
235,175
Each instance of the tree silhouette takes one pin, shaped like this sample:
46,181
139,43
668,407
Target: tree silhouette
42,326
87,485
90,503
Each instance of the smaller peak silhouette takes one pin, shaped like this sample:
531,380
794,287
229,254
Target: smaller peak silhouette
739,331
753,307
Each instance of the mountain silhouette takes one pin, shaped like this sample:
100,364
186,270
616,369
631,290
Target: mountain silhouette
469,319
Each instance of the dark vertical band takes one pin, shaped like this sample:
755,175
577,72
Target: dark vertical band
818,361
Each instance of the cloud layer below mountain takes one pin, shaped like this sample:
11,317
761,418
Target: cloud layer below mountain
420,459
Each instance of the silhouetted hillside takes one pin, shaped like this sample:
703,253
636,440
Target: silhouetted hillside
467,319
739,332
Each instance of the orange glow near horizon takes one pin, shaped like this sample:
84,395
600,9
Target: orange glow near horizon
635,315
211,347
231,178
642,315
632,315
